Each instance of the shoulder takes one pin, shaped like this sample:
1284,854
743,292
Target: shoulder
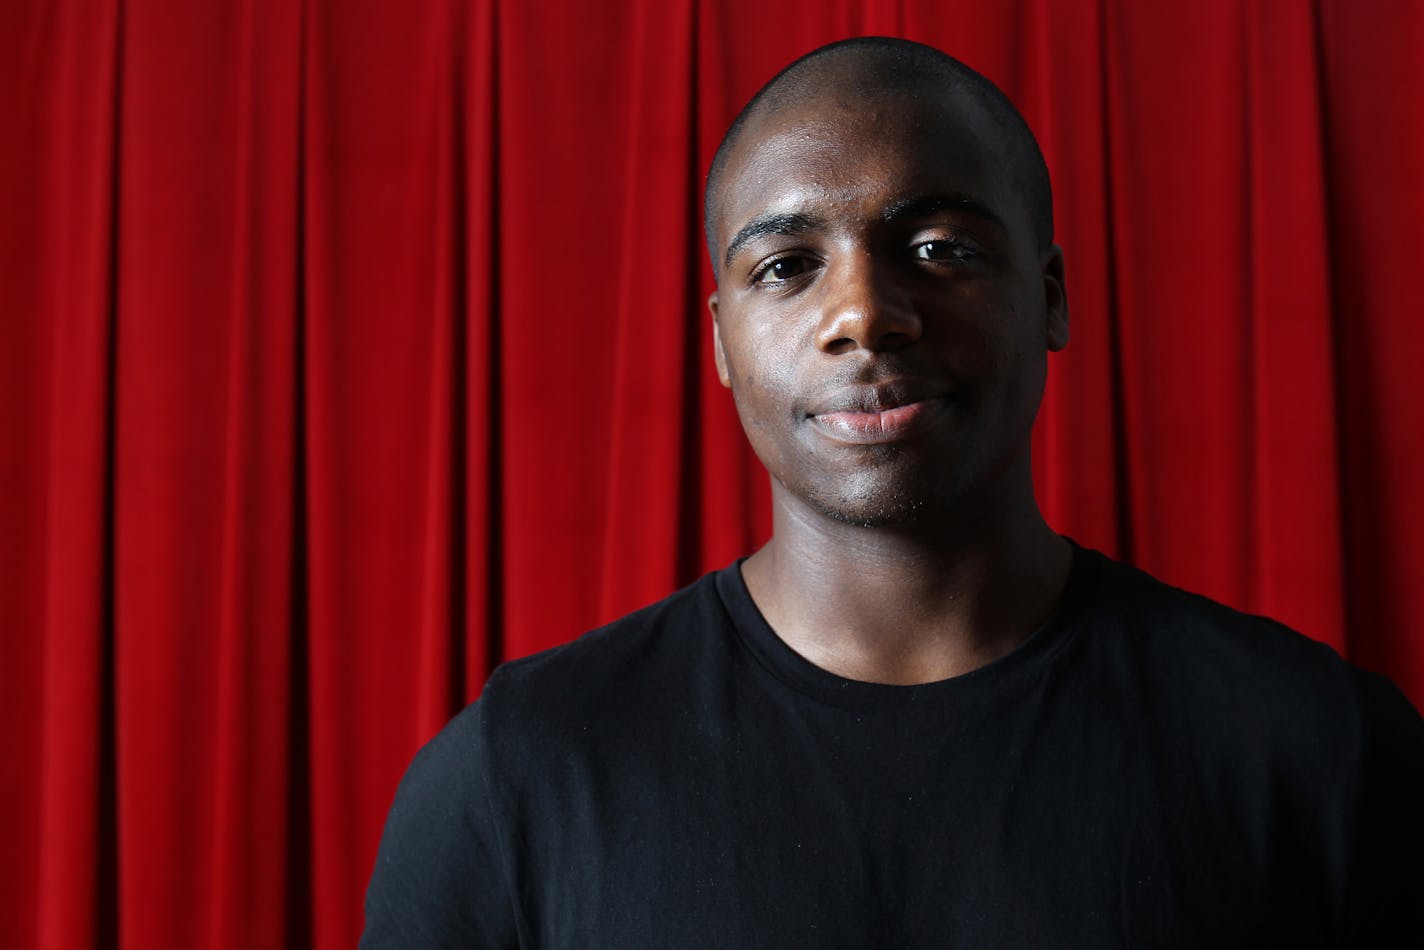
610,678
1195,640
658,639
441,875
446,865
1275,752
1207,666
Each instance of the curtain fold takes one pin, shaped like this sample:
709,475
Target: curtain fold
348,349
1370,84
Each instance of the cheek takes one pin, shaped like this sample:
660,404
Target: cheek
762,369
759,425
762,406
998,344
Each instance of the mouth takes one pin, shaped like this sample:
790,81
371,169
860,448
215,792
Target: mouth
877,415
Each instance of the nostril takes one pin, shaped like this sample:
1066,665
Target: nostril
837,347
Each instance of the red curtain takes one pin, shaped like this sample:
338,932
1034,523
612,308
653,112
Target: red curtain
347,348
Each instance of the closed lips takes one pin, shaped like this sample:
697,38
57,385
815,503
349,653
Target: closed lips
868,417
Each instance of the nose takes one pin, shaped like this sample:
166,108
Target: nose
865,308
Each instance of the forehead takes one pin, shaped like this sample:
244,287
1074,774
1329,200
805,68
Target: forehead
844,154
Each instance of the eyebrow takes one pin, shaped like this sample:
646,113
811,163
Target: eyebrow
783,223
922,206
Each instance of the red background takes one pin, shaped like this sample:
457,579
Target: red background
349,347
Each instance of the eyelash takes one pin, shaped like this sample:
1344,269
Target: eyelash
960,252
765,268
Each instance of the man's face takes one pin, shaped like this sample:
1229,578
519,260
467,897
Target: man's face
883,313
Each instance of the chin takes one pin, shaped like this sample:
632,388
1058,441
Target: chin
881,510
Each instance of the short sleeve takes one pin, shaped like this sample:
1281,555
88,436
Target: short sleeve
438,879
1386,883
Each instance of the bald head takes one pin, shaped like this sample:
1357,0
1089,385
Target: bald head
882,68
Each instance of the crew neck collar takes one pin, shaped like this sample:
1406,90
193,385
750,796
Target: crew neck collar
1023,664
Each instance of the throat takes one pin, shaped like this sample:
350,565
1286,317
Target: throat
907,620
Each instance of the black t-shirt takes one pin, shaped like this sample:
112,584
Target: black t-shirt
1149,769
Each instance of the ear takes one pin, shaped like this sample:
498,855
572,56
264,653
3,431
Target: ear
717,355
1055,295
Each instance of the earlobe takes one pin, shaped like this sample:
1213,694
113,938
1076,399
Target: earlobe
717,355
1055,294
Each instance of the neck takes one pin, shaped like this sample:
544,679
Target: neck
911,603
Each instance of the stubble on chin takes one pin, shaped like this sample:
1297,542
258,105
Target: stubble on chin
882,513
871,505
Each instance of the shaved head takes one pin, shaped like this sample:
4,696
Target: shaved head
878,68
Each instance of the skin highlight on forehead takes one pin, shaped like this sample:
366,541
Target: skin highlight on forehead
944,143
883,79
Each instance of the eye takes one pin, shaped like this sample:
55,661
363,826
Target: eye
949,250
781,269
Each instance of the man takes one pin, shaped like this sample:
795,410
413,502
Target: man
917,717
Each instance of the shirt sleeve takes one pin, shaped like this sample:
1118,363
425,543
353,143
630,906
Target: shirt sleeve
439,879
1386,882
